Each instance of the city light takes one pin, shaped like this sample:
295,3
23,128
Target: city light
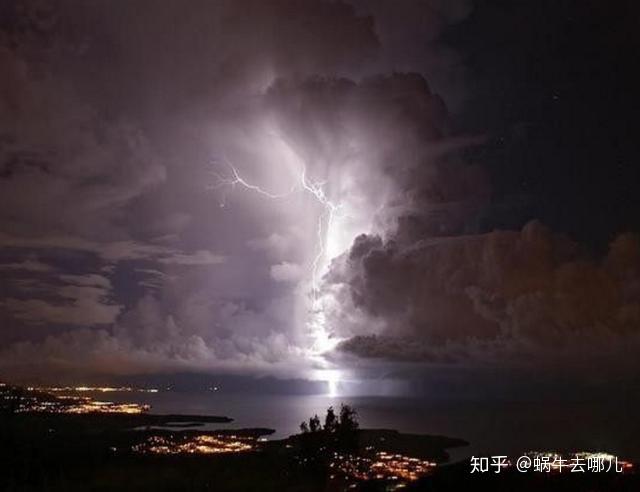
396,469
198,444
34,400
92,389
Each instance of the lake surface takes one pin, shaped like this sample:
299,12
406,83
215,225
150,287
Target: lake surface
491,427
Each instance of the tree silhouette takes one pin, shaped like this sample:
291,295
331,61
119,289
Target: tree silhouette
348,419
347,429
339,432
314,424
330,421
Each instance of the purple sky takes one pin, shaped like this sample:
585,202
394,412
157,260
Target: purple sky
271,188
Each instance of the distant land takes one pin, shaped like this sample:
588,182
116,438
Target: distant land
76,444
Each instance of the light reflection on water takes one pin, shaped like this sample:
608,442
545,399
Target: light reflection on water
500,428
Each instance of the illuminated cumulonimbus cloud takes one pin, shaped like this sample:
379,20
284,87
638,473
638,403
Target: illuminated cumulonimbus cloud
118,260
348,150
122,262
131,104
401,280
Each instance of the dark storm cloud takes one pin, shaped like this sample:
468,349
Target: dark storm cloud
79,300
115,121
416,47
522,298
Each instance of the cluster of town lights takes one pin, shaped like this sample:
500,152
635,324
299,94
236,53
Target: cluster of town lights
198,444
36,400
397,469
79,406
92,389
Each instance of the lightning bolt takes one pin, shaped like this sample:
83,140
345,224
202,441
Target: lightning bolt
237,180
331,210
323,342
314,188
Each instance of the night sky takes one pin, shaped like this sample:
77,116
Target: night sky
552,86
373,194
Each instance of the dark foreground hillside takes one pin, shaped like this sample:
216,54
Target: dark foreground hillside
48,452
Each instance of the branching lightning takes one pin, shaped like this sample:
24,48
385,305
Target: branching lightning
313,188
236,179
322,341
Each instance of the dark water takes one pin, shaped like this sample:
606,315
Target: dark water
491,427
